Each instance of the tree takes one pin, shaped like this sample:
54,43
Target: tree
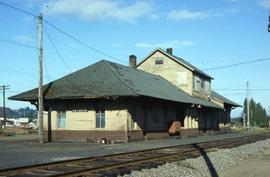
22,112
258,115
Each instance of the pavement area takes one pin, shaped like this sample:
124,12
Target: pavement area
24,150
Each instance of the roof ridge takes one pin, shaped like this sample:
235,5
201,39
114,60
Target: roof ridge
109,66
178,60
165,53
175,58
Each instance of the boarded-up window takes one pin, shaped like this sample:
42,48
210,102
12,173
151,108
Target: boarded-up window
100,119
181,77
61,119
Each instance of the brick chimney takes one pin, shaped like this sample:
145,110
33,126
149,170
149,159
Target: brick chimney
132,61
170,51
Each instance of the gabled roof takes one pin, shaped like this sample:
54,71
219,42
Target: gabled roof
224,99
107,79
178,60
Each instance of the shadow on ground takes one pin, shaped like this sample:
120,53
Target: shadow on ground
210,165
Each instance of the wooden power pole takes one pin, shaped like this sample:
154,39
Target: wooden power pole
248,120
40,80
244,120
4,88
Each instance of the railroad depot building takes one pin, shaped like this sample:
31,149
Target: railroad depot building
113,102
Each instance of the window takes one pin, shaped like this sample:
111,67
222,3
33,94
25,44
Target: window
159,61
197,84
202,83
100,119
207,88
61,119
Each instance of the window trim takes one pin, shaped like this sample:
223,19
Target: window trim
202,84
197,84
99,112
159,61
207,88
57,119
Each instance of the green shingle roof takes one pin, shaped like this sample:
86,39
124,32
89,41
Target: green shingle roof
108,79
224,99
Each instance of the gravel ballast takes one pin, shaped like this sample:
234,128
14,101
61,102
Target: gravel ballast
211,164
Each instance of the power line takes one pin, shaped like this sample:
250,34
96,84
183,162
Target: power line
17,71
47,73
62,31
57,51
254,89
237,64
80,42
235,94
233,87
20,72
17,43
86,52
12,91
17,9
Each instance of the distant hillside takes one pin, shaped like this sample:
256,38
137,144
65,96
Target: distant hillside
16,113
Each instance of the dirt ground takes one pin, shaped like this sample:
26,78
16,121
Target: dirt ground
254,167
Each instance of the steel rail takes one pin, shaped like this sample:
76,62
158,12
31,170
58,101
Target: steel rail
162,158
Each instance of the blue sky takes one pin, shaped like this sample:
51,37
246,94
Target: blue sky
206,33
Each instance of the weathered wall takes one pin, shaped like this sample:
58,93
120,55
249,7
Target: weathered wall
201,86
155,115
177,74
153,118
135,119
114,120
81,120
223,115
218,102
84,117
170,70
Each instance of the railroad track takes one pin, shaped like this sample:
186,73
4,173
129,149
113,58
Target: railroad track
119,164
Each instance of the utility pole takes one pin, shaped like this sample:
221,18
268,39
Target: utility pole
244,120
40,80
268,24
248,120
4,88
